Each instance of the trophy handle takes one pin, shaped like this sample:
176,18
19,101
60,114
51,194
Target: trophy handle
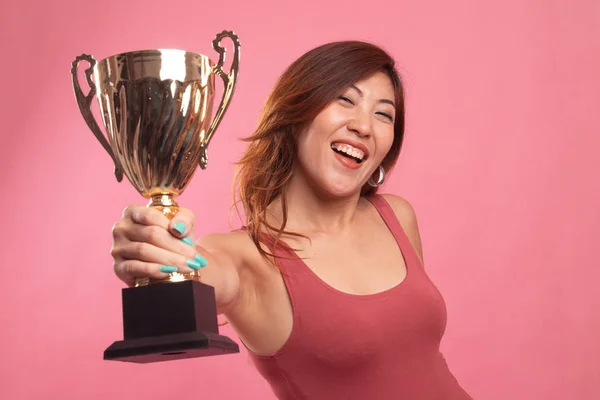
84,102
229,81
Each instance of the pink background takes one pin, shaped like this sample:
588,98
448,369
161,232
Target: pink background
500,162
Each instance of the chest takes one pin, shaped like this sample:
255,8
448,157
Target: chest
349,332
361,263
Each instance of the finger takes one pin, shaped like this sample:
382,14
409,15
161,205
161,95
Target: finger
145,216
182,224
160,237
146,252
129,270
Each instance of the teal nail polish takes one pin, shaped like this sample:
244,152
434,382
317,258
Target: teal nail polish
187,241
167,269
179,227
201,260
193,264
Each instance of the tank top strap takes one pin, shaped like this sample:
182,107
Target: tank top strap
391,220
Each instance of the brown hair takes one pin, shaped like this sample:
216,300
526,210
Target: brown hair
302,91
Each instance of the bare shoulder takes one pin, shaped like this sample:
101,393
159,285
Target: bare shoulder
240,249
237,244
407,216
223,241
400,205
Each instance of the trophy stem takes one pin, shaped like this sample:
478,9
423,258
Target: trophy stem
165,203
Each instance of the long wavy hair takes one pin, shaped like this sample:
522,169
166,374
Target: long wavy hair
304,89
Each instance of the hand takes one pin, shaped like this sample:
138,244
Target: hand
147,244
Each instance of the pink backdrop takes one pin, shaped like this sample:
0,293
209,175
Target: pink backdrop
500,163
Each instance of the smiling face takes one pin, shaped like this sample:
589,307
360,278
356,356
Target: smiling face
346,142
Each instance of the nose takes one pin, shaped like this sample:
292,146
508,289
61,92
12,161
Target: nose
360,123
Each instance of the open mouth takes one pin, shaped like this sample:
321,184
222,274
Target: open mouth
349,152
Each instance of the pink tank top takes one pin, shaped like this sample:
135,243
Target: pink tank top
368,347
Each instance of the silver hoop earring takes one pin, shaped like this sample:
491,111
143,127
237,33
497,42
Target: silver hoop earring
380,179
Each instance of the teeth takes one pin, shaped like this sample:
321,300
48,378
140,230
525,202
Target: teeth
350,150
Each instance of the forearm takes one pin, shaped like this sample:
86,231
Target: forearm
221,273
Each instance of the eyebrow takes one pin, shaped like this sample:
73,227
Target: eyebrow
360,92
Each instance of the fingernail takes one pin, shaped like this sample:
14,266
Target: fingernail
179,227
167,269
187,241
201,260
193,264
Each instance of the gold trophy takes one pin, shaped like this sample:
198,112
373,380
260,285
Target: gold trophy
156,107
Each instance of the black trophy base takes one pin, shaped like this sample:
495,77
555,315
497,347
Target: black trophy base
170,347
169,321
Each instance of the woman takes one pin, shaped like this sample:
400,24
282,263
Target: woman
325,285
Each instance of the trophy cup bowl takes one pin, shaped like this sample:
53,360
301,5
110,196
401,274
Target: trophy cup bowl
156,108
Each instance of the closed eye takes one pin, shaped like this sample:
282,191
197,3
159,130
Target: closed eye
347,100
388,116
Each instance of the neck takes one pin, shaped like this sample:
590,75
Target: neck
310,212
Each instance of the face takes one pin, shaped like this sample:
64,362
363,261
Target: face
347,141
